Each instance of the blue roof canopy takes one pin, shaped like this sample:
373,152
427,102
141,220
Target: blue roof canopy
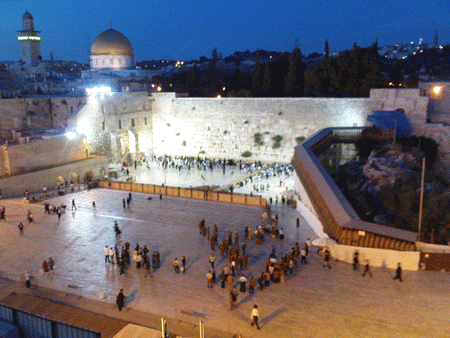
391,119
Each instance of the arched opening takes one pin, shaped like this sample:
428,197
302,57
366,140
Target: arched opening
88,176
60,182
133,146
74,179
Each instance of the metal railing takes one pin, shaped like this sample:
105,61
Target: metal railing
31,325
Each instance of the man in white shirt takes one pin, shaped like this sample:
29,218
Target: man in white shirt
106,254
255,316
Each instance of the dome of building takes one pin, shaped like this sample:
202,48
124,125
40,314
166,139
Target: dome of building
27,15
112,42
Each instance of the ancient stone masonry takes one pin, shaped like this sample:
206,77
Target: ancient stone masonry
126,126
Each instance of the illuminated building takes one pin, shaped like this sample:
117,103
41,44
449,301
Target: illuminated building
29,41
112,50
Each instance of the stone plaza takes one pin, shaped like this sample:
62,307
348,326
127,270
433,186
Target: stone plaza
314,301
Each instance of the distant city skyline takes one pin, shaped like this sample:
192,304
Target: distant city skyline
185,31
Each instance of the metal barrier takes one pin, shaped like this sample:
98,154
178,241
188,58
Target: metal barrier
31,325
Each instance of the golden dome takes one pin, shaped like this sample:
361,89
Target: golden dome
112,42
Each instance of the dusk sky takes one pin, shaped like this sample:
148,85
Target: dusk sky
186,30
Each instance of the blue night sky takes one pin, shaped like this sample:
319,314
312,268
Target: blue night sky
188,29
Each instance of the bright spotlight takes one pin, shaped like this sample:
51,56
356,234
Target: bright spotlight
83,128
98,90
71,135
437,90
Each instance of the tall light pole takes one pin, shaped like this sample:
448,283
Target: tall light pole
421,198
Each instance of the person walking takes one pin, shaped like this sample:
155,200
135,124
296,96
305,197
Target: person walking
367,269
120,300
73,204
398,272
255,316
20,226
30,216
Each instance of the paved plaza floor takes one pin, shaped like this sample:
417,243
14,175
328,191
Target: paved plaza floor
313,302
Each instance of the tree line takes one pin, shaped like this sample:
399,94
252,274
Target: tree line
350,74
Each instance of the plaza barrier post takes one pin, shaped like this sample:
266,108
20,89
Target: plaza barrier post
202,329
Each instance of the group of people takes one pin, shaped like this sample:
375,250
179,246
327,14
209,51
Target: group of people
140,256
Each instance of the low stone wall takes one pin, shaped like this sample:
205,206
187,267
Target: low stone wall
184,193
35,181
377,257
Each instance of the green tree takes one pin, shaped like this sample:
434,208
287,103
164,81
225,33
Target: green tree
295,78
327,50
267,81
257,77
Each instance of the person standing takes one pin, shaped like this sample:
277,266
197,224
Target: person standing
255,316
27,279
73,204
233,298
356,260
303,256
212,259
176,265
209,278
243,282
124,203
120,301
252,284
111,255
326,258
367,269
183,264
398,272
20,226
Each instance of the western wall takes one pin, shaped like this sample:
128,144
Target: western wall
126,126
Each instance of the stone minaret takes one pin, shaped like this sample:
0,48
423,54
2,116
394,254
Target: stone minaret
29,41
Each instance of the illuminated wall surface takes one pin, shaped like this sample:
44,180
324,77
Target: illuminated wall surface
228,127
125,126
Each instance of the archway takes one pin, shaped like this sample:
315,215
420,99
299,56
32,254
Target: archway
74,178
60,182
88,176
133,145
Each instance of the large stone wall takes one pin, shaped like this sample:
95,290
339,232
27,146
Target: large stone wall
35,181
118,125
226,127
38,112
44,154
415,108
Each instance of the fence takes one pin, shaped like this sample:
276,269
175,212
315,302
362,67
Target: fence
214,196
35,326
